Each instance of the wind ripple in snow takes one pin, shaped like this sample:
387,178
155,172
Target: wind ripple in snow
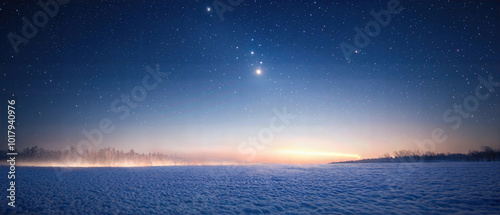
262,189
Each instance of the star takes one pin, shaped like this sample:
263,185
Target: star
258,72
209,9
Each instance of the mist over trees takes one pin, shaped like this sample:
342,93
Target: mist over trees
110,157
487,154
35,156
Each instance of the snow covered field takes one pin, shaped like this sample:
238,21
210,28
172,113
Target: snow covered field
261,189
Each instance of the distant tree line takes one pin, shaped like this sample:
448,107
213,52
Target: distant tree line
103,157
408,156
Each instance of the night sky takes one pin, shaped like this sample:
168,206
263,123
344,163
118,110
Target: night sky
394,90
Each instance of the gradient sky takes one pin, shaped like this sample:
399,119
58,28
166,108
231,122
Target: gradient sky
394,91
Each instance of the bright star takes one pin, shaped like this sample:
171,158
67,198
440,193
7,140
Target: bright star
258,72
251,52
209,9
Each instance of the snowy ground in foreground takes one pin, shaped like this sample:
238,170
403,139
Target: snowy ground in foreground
310,189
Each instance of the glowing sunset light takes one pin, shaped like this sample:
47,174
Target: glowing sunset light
320,153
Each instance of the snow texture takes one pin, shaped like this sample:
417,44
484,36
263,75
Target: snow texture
411,188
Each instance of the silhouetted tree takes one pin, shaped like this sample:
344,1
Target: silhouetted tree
487,154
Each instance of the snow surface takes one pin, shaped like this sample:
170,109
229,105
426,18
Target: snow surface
421,188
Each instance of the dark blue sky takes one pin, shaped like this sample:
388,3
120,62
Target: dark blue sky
395,90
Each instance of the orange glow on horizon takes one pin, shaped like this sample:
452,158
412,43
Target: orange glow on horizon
202,157
320,153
